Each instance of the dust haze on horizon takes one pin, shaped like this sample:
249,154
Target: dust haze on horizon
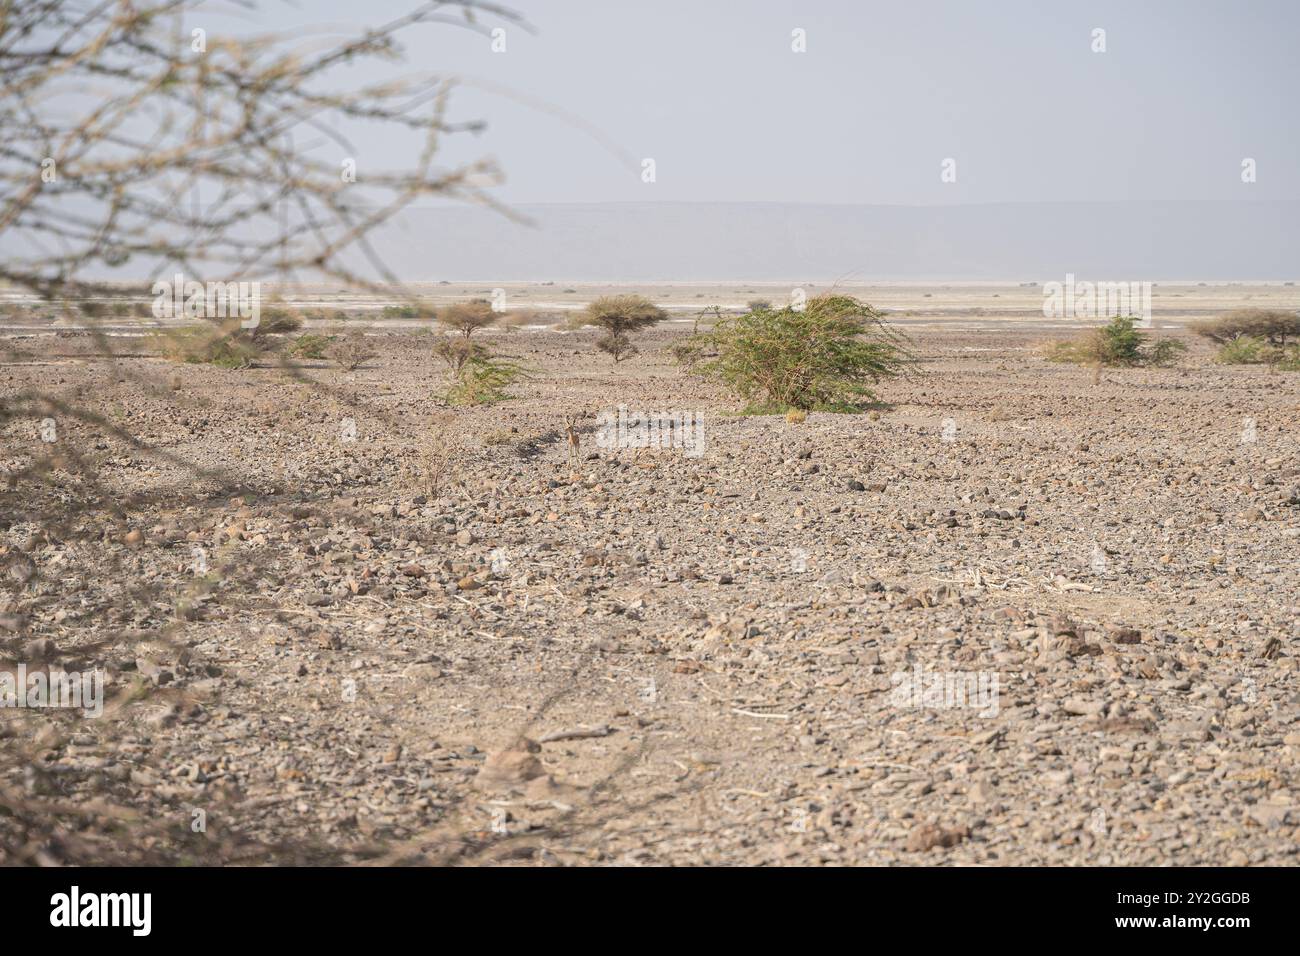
935,140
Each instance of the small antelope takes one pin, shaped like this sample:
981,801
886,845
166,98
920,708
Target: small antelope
575,443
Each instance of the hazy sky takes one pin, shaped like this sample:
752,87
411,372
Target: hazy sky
1011,90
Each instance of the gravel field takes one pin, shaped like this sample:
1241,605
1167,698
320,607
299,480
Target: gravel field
1013,615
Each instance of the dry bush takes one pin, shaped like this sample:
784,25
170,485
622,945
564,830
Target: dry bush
616,345
438,456
617,316
454,353
1274,326
466,318
277,321
516,319
352,351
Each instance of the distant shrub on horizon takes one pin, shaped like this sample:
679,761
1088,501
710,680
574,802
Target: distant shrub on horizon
618,316
408,310
1273,326
466,318
277,321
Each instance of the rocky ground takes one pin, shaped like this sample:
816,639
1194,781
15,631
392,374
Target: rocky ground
342,622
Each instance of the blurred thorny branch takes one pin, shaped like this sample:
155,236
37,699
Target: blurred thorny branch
140,142
133,136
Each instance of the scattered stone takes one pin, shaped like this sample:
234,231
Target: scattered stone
927,836
511,767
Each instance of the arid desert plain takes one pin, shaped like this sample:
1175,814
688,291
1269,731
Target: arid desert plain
1017,613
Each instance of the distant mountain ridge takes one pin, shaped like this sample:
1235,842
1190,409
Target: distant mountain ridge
668,241
700,241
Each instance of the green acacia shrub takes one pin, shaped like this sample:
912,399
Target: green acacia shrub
1164,352
1246,350
416,310
311,346
1250,350
1288,359
823,358
482,380
1118,344
224,346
